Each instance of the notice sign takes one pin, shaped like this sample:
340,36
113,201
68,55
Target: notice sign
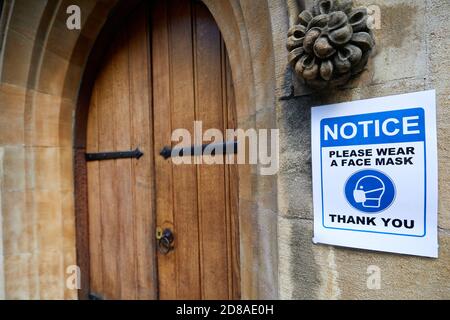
375,174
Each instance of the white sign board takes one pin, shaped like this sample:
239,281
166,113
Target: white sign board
375,174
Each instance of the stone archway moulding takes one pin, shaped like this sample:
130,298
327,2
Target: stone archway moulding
42,66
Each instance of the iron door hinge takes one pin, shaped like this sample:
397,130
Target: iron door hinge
219,148
136,154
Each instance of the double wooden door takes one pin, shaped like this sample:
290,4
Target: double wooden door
166,68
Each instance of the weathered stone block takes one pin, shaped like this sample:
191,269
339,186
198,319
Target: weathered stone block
2,278
49,224
68,221
18,276
401,40
26,17
266,192
443,132
2,267
294,122
53,74
44,128
267,266
51,275
66,123
33,277
17,53
298,272
51,123
261,48
295,195
439,41
66,169
12,106
17,224
248,248
247,182
327,272
14,164
258,251
46,168
402,277
265,119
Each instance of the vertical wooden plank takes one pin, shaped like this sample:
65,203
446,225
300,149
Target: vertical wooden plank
108,196
122,183
227,173
162,135
197,141
185,185
211,185
121,191
94,221
233,189
205,263
143,174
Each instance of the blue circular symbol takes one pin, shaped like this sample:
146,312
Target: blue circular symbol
369,191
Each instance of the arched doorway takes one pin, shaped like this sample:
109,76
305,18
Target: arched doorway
43,67
165,68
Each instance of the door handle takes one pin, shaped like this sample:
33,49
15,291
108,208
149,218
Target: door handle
165,240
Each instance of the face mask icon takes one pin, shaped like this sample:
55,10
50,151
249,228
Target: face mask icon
368,191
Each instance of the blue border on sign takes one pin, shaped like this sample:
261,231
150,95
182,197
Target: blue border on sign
390,233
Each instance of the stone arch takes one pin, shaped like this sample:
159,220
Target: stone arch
42,67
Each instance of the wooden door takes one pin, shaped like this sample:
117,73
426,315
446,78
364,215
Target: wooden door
166,68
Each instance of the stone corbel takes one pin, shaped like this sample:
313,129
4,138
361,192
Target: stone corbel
329,44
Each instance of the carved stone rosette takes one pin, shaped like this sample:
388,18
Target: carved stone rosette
330,44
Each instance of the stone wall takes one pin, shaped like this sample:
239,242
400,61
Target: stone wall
412,55
41,67
42,64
